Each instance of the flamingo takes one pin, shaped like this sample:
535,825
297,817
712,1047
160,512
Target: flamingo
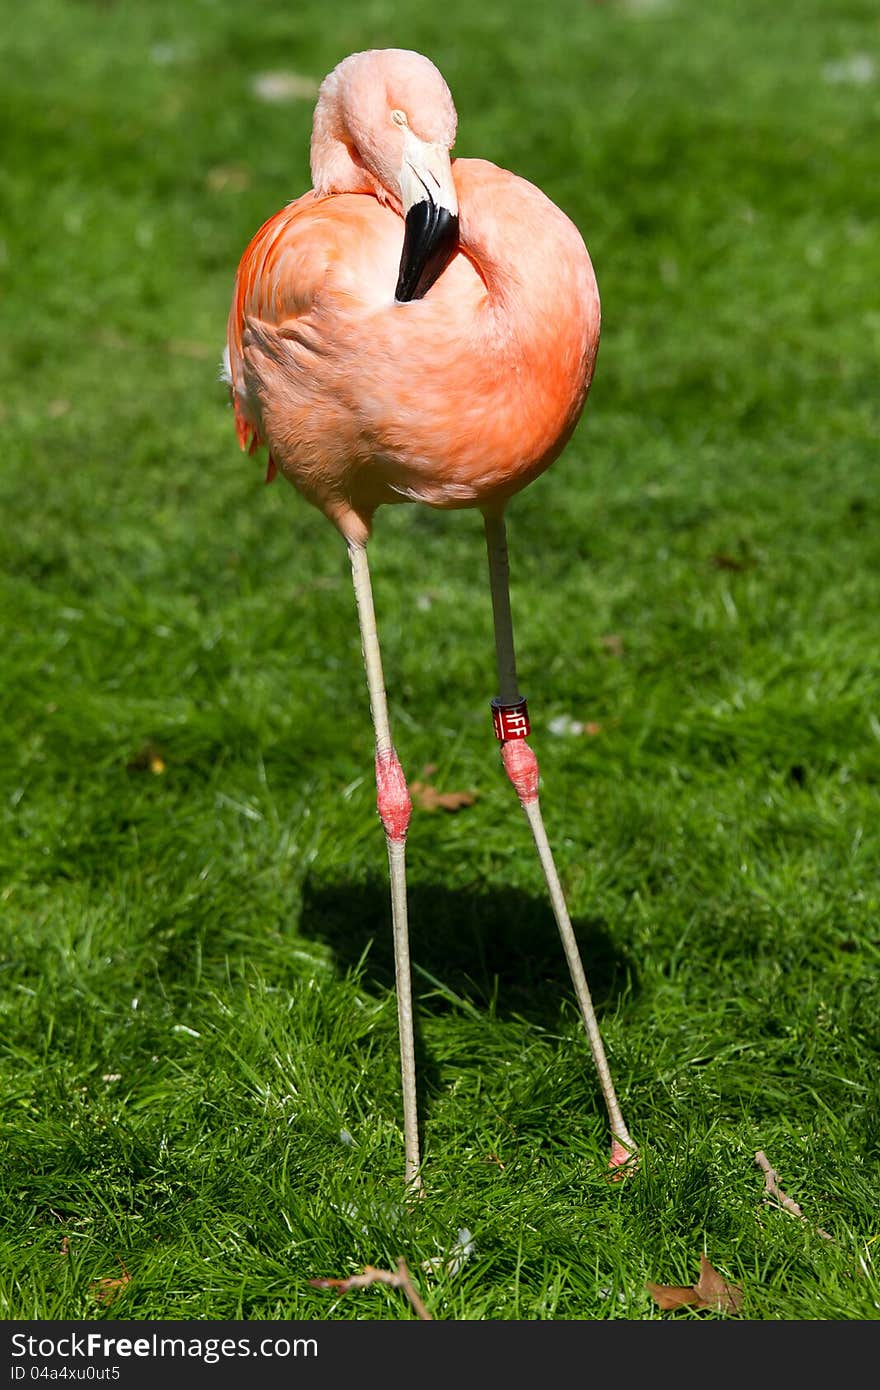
414,329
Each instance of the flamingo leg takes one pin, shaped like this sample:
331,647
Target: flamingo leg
521,766
394,807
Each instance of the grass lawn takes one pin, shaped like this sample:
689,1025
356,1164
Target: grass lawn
198,1046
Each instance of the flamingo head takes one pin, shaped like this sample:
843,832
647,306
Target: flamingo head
385,124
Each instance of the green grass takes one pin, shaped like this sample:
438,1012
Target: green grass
196,990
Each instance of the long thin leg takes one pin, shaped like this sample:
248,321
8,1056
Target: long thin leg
394,806
521,765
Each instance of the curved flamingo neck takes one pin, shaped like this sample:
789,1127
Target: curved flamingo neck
335,163
531,258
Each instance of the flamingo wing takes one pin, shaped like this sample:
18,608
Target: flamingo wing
277,278
309,267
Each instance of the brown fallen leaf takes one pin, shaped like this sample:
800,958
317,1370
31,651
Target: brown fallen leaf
715,1291
668,1296
729,562
108,1288
427,798
710,1291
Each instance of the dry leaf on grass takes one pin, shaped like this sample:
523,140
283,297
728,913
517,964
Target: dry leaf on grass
710,1291
668,1296
714,1290
427,798
108,1288
729,562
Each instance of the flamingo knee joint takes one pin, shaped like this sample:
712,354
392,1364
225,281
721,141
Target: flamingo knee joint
393,799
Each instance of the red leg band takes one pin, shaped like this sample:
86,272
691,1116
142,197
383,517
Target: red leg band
511,721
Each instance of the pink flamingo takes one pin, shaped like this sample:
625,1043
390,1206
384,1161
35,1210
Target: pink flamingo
418,330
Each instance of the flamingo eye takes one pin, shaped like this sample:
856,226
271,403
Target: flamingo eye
399,118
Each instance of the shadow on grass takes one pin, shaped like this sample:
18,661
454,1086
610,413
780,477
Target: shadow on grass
493,948
478,949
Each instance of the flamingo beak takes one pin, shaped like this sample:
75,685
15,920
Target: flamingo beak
430,209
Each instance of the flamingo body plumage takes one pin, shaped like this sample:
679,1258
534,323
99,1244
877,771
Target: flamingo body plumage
458,399
414,329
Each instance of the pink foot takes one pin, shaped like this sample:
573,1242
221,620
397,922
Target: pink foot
622,1160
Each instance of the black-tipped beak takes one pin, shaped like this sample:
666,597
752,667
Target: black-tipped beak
429,243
